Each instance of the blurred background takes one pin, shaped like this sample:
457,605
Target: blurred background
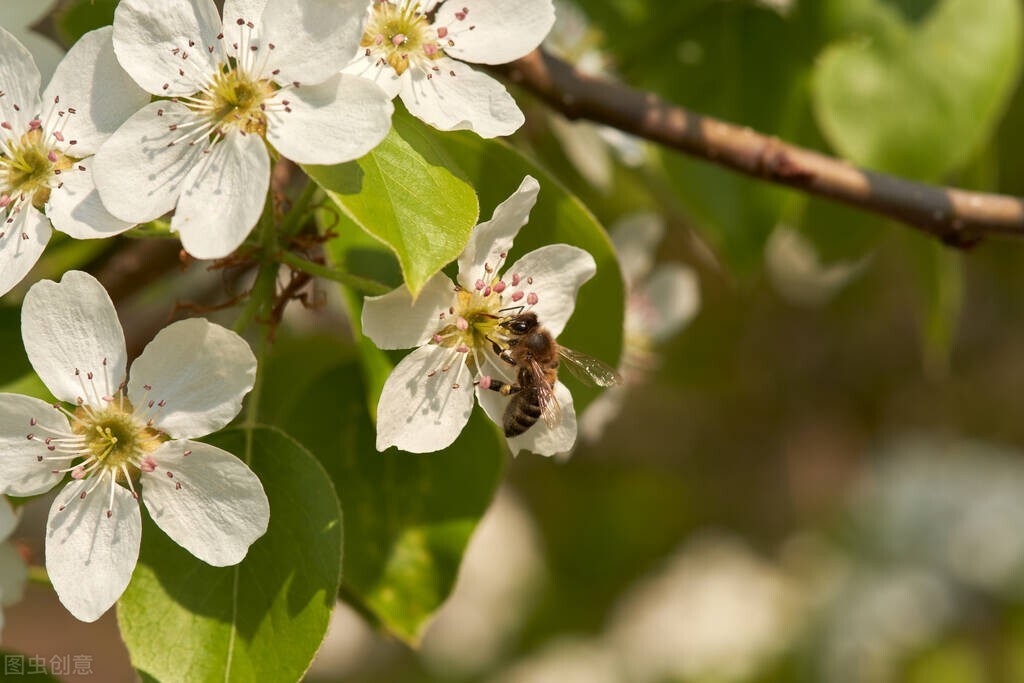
816,469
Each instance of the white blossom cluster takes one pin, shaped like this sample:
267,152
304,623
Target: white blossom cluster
180,109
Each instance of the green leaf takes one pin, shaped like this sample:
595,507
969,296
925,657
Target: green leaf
408,194
409,517
83,16
261,620
15,363
917,93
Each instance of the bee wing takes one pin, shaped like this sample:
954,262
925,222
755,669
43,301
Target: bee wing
588,369
550,410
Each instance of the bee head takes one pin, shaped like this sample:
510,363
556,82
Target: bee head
521,324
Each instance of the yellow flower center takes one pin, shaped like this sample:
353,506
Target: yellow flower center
28,170
236,100
115,437
401,35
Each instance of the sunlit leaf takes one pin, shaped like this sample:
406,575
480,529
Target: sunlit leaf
260,620
408,517
408,194
917,92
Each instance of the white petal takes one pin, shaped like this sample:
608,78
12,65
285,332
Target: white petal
674,293
90,81
220,507
46,53
75,207
13,575
22,473
313,39
138,174
586,149
371,68
339,120
150,39
223,196
201,370
19,79
70,327
420,413
90,556
8,518
395,321
539,438
469,100
502,30
490,240
21,245
636,239
17,17
602,412
558,271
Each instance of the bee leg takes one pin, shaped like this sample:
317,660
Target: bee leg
502,353
503,388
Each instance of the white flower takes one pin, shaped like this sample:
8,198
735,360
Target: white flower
587,145
18,17
126,436
799,273
413,48
428,397
13,572
268,74
47,143
714,612
660,300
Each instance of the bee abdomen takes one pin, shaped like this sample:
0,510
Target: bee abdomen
520,415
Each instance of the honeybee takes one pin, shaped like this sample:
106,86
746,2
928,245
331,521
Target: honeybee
535,354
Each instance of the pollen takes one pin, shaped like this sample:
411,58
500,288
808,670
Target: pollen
28,166
400,35
237,101
115,437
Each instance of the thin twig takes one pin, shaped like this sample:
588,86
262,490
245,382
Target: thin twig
959,218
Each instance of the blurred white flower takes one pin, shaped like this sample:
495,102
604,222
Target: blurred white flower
351,647
18,17
934,524
783,7
417,49
267,73
566,660
714,611
796,270
877,619
13,572
46,146
956,508
660,301
428,397
500,575
188,382
589,146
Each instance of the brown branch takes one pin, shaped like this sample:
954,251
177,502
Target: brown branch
959,218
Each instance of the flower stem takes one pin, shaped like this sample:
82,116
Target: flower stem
293,221
362,284
265,286
38,575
